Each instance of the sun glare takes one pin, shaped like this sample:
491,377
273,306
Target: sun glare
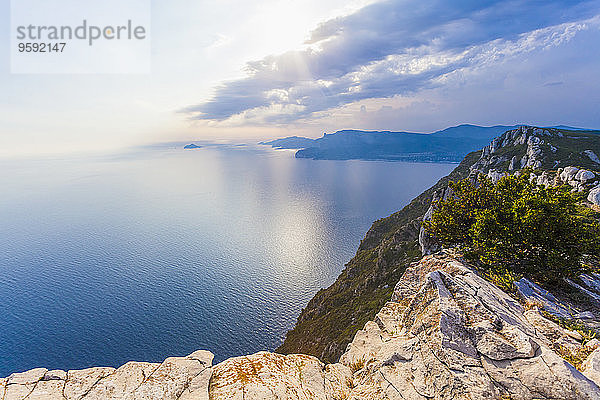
286,24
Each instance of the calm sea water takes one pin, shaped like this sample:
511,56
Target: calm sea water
161,252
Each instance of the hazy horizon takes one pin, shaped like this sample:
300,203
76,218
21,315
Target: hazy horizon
239,71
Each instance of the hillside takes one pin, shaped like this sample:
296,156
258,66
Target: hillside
334,315
450,144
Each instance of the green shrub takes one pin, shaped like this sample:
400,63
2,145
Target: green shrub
517,226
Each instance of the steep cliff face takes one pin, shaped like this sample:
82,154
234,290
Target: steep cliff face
446,333
332,317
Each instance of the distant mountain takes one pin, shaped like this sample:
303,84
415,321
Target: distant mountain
192,146
450,144
292,142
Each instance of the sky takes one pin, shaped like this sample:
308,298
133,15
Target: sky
244,71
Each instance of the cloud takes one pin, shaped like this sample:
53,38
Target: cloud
392,48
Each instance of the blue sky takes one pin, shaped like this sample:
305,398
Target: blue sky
243,70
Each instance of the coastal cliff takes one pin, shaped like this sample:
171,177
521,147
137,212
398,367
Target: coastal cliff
335,314
446,333
405,319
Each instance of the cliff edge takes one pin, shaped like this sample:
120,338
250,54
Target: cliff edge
446,333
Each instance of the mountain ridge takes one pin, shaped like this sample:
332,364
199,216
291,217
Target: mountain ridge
446,145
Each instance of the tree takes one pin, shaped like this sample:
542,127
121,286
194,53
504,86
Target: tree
516,225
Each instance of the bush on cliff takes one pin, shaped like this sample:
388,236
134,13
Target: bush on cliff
518,226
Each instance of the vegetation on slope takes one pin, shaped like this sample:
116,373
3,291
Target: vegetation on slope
517,226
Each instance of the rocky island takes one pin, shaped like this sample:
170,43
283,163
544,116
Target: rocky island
406,319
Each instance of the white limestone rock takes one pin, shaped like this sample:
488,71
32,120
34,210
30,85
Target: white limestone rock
79,382
18,392
585,315
20,385
495,176
592,281
583,175
593,343
513,163
594,196
591,366
198,387
449,334
182,378
122,382
568,173
272,376
553,334
534,294
46,390
2,387
28,377
173,377
592,156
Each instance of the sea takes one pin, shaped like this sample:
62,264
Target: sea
158,251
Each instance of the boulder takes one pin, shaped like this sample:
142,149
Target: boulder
594,196
569,173
584,175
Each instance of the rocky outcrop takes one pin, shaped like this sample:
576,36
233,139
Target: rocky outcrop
275,376
175,378
449,334
446,333
259,376
539,149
